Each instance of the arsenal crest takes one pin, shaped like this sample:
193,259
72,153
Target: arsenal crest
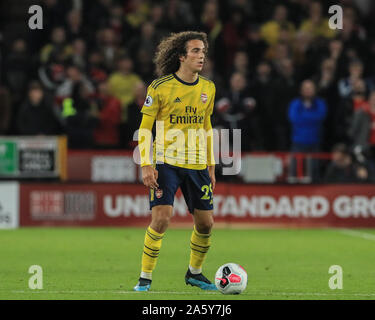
159,193
204,97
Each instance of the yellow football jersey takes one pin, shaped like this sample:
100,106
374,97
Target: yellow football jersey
182,111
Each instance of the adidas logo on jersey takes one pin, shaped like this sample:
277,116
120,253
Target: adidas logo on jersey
177,100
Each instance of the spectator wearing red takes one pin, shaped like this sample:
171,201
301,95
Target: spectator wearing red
106,134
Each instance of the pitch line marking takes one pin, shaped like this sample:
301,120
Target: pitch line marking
198,294
358,234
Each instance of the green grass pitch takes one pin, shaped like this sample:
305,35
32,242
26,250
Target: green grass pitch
104,263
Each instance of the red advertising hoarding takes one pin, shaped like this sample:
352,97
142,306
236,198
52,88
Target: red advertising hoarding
127,205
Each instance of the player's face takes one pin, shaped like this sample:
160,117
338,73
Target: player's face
195,55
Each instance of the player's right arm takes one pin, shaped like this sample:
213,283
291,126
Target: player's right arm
150,109
149,174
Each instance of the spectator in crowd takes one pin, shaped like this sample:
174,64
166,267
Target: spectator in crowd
237,110
306,55
137,12
345,85
277,53
17,64
213,26
362,129
326,87
134,114
142,49
263,88
352,33
37,115
108,43
337,53
81,117
234,34
117,22
147,40
326,81
157,18
241,64
74,25
210,72
58,44
53,13
122,83
144,65
5,110
255,46
74,75
306,116
99,14
317,25
106,133
355,101
179,15
52,74
342,169
244,6
96,67
78,56
270,30
276,119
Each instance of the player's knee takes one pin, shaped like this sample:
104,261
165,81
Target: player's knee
160,220
160,224
205,226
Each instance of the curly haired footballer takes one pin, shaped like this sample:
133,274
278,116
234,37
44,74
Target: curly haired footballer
180,100
171,48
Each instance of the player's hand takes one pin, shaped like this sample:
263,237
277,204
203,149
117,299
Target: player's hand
149,177
211,173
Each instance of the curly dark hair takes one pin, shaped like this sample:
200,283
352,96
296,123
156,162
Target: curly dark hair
172,48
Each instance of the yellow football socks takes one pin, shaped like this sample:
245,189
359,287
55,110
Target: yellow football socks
199,245
151,251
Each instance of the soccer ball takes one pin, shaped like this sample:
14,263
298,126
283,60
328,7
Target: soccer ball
231,278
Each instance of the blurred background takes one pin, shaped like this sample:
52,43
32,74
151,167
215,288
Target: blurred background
71,93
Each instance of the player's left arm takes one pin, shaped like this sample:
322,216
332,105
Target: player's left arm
210,138
210,152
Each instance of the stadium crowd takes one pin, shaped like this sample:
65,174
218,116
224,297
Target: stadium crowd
283,76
